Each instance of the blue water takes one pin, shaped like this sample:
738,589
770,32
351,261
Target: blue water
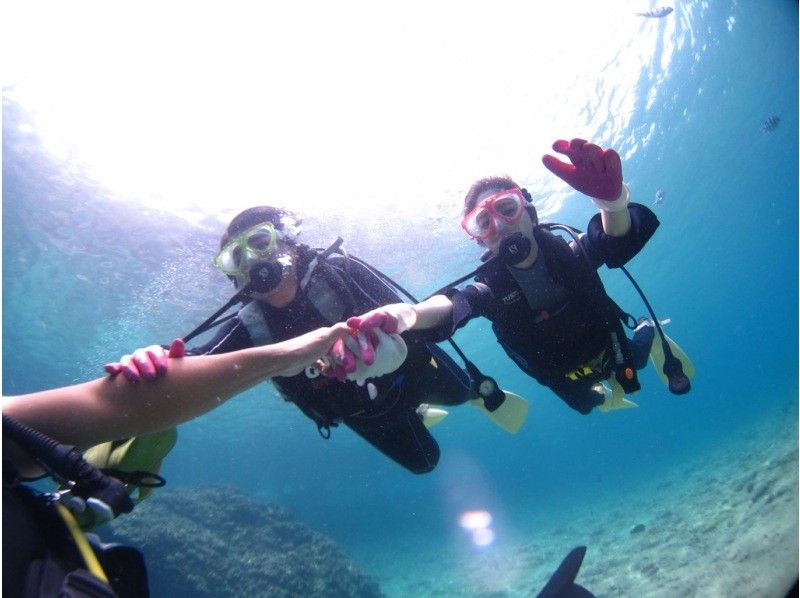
87,277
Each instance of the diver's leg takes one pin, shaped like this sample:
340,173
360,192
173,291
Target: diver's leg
400,435
580,395
440,381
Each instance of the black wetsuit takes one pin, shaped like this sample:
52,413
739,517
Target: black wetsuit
555,318
389,422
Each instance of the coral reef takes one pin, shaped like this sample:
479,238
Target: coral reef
217,541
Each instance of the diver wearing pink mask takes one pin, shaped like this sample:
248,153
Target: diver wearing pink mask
548,307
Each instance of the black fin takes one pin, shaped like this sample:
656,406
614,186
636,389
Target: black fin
562,582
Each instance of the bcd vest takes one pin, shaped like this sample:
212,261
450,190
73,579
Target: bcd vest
324,401
550,343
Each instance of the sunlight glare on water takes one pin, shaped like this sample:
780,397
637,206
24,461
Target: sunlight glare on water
356,108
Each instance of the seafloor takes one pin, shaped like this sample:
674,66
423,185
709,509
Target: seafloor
723,524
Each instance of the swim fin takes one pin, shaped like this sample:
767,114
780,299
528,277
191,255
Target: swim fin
657,357
562,583
511,413
143,453
614,397
431,415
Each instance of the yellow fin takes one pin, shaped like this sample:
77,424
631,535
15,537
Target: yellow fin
511,413
431,415
141,453
657,357
614,397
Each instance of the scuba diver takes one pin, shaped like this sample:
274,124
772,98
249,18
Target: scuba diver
288,287
544,297
45,551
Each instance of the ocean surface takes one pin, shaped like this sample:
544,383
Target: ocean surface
686,495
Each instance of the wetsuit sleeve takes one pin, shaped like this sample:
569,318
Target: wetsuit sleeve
617,251
231,337
472,301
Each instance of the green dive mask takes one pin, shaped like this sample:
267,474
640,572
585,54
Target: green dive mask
257,242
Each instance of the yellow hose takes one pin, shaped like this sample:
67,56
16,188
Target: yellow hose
89,557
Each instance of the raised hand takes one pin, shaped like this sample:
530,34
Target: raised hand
593,171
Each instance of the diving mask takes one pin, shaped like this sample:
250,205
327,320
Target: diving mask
257,242
506,206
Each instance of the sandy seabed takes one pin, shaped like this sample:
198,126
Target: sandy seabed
725,524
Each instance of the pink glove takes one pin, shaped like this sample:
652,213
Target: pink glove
148,363
391,319
343,360
358,358
384,320
384,357
594,171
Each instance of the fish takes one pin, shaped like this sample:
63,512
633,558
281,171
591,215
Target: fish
660,195
770,124
656,13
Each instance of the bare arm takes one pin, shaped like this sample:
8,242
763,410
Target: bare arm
432,312
111,408
616,221
399,317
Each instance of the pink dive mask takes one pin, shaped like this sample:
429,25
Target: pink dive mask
506,206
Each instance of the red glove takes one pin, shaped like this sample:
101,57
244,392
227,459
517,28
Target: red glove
148,363
594,171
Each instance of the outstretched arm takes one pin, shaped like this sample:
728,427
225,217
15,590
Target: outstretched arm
111,408
433,312
399,317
